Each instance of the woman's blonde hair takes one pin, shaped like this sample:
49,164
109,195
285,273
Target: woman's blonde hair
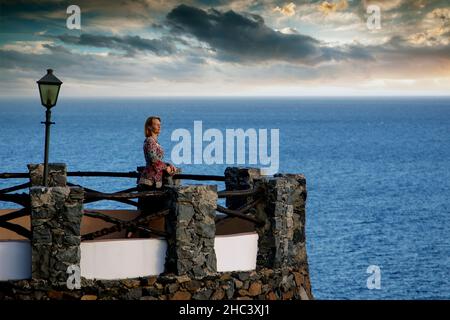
148,125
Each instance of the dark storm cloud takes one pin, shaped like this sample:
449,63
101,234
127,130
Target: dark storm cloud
83,66
245,38
129,44
92,67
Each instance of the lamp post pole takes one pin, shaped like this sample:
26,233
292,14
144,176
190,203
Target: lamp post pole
47,123
49,86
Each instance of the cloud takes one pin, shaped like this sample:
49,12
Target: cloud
129,44
286,10
34,47
246,38
436,31
289,30
385,5
163,48
111,74
328,7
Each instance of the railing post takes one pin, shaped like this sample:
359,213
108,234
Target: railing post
56,213
239,178
192,229
282,240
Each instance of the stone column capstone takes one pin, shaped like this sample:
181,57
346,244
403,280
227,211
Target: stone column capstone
57,174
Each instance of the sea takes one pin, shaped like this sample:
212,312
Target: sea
377,172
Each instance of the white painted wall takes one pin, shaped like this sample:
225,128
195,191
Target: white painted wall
122,258
15,260
129,258
236,252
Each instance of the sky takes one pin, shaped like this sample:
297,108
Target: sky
146,48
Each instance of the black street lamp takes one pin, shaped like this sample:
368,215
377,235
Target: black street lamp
48,89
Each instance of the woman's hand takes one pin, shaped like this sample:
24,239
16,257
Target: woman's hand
171,169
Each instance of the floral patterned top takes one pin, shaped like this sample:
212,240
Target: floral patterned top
153,171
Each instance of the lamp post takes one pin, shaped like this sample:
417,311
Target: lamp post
49,86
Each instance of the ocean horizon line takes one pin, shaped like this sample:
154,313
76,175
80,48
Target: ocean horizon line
231,97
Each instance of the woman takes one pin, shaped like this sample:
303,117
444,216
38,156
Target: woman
152,176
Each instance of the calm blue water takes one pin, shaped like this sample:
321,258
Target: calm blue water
378,173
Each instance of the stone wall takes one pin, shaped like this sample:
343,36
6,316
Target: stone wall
264,284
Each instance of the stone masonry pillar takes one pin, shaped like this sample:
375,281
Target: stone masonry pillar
192,229
282,240
56,213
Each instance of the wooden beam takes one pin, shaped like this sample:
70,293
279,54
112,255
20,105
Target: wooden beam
15,188
199,177
238,193
16,228
237,214
130,174
126,201
22,199
14,175
126,224
15,214
112,196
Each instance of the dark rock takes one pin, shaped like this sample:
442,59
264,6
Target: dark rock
151,291
229,291
243,292
243,276
203,294
133,294
171,288
193,285
38,295
131,283
219,294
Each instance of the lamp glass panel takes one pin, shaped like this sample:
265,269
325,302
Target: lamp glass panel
49,94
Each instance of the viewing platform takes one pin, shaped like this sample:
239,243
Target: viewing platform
184,245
